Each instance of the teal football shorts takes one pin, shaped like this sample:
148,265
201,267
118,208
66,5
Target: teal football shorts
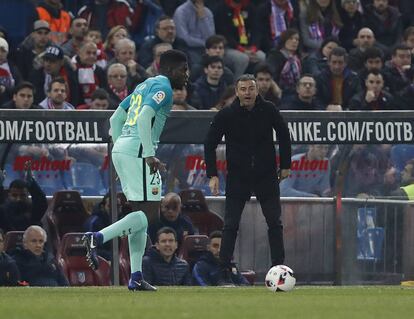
136,181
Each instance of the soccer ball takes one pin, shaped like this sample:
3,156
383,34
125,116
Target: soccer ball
280,278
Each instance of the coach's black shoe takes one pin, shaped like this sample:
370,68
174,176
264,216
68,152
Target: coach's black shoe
91,244
141,285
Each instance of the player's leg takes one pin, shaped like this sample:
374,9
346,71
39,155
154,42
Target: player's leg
272,211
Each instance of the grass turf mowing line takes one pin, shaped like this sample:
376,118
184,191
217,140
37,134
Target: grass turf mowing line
213,303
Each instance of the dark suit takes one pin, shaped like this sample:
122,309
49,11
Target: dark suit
251,166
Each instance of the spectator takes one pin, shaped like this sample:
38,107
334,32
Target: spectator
56,96
117,84
405,99
28,54
310,177
171,216
363,178
237,22
9,273
285,62
161,267
22,97
385,21
89,75
210,87
78,31
208,270
180,100
195,23
115,34
36,266
125,54
160,48
59,20
226,99
54,65
268,88
95,36
352,21
99,101
408,40
373,97
18,211
305,98
365,40
317,61
406,191
318,20
9,73
214,47
165,31
395,71
373,60
337,85
276,16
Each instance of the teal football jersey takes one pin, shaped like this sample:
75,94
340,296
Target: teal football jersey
156,92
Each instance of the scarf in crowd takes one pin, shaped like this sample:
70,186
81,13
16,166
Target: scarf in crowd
6,77
121,94
87,80
318,32
238,20
277,19
291,70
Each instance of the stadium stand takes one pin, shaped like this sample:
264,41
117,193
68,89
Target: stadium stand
64,214
194,205
76,268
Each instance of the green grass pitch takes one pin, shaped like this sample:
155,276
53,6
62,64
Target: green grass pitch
213,303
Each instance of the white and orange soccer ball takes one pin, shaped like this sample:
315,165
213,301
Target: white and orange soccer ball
280,278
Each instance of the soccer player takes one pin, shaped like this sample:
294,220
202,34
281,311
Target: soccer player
136,126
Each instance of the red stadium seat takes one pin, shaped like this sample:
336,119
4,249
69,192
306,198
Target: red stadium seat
76,268
192,247
64,214
194,205
13,240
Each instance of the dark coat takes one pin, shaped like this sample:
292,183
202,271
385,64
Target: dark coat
9,273
405,100
384,102
250,150
181,225
37,78
207,94
295,103
223,20
388,33
40,270
208,272
350,28
351,86
394,80
158,272
146,56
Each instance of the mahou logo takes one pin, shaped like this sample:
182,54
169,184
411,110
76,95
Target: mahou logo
42,164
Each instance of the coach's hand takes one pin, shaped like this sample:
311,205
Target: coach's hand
214,185
283,173
155,164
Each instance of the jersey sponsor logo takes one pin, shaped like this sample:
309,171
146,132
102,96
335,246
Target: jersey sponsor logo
155,190
159,97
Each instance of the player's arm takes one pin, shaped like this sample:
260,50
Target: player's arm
118,118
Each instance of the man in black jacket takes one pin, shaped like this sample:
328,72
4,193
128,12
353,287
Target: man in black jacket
38,267
251,163
161,267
